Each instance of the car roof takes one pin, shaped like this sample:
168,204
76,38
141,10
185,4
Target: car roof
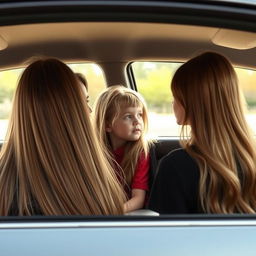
126,31
120,42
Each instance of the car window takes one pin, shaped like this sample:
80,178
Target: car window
153,82
8,83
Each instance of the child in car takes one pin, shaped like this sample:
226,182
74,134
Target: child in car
121,121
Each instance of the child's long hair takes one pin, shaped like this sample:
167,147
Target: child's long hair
107,109
52,158
220,140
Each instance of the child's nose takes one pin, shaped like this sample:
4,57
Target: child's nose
136,120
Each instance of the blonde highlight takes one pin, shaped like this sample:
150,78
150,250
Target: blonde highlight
220,139
52,158
107,109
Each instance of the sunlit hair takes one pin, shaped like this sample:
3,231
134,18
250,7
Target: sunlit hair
52,157
108,107
220,140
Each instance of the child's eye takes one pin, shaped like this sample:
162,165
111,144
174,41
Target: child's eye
128,117
140,115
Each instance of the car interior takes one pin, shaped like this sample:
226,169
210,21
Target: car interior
114,46
137,44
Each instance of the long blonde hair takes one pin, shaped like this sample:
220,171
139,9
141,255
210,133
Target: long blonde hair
220,140
107,109
52,158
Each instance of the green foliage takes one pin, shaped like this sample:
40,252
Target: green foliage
251,103
8,83
94,77
154,84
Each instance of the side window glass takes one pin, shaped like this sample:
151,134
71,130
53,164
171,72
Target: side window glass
9,79
8,84
247,81
153,81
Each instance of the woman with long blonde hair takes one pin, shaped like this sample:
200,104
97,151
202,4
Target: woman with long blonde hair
215,172
121,121
52,162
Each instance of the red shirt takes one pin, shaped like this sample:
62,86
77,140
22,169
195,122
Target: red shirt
141,174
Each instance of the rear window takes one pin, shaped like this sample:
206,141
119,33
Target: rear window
153,81
9,80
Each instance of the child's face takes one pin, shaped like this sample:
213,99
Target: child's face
128,126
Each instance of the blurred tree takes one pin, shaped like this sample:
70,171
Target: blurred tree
8,83
94,77
247,81
154,83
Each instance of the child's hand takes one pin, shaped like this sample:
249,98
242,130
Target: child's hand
136,202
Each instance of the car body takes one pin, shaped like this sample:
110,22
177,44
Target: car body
115,34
